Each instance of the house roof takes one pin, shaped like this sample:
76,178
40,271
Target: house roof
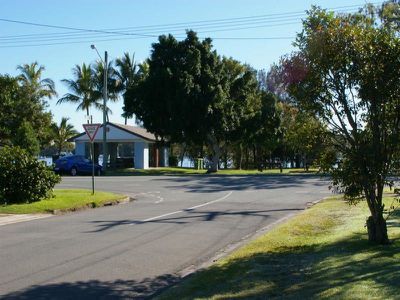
138,131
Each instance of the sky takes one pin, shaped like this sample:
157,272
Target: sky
272,25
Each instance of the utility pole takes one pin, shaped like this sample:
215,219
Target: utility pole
105,93
105,156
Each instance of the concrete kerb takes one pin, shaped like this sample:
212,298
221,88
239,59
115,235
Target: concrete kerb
6,219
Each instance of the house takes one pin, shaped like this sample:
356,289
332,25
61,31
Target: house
127,146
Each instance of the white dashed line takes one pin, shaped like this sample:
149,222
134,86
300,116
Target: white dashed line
187,209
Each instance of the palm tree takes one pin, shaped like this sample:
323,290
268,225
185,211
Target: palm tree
83,89
113,86
127,73
61,134
37,88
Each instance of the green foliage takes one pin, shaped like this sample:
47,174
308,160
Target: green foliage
25,138
17,107
23,179
61,134
83,90
191,95
31,80
347,73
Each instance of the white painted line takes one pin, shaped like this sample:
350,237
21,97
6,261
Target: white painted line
161,216
187,209
210,202
160,199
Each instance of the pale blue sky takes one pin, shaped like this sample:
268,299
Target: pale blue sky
100,14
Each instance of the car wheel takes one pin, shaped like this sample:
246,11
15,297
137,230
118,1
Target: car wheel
74,171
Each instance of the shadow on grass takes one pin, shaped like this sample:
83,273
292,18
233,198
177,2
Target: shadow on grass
95,289
312,272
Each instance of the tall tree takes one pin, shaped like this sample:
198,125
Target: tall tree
61,134
113,85
83,90
31,80
347,72
127,75
192,95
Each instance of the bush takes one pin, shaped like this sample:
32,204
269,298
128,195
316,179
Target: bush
23,178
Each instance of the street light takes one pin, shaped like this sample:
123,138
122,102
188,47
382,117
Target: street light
105,62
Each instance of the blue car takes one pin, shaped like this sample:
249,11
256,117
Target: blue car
75,164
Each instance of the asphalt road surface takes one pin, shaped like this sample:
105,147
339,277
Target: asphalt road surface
132,250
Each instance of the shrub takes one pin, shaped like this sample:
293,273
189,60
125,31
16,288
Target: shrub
23,178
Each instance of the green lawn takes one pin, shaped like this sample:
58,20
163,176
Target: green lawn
63,200
322,253
192,171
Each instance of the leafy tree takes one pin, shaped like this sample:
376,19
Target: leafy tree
260,132
347,72
61,134
191,95
131,89
25,138
83,90
17,107
304,135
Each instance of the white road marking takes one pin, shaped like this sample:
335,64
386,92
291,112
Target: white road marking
187,209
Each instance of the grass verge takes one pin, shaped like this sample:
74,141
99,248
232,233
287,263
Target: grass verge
63,200
322,253
192,171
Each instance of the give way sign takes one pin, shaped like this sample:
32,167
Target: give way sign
91,130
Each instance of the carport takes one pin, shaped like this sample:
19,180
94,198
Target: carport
127,146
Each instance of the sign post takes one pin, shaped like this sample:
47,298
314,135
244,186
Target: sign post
91,131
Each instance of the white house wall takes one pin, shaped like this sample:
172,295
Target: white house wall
141,155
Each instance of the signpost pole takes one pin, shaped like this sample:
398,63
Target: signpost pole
91,130
92,168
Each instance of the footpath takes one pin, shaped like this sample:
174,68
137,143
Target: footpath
6,219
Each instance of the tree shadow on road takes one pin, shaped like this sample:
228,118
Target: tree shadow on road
95,289
189,217
211,184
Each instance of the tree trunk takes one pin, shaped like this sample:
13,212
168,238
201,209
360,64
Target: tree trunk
216,154
240,156
376,224
377,230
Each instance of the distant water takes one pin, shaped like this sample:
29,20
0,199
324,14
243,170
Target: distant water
187,163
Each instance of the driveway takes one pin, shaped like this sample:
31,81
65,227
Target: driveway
132,250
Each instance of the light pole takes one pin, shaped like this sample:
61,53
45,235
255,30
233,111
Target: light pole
105,62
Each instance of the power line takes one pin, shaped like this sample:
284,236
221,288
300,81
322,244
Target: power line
82,35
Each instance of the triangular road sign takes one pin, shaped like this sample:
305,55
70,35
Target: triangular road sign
91,130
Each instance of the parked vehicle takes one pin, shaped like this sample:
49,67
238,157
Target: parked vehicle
75,164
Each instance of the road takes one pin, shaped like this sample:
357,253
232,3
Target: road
132,250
